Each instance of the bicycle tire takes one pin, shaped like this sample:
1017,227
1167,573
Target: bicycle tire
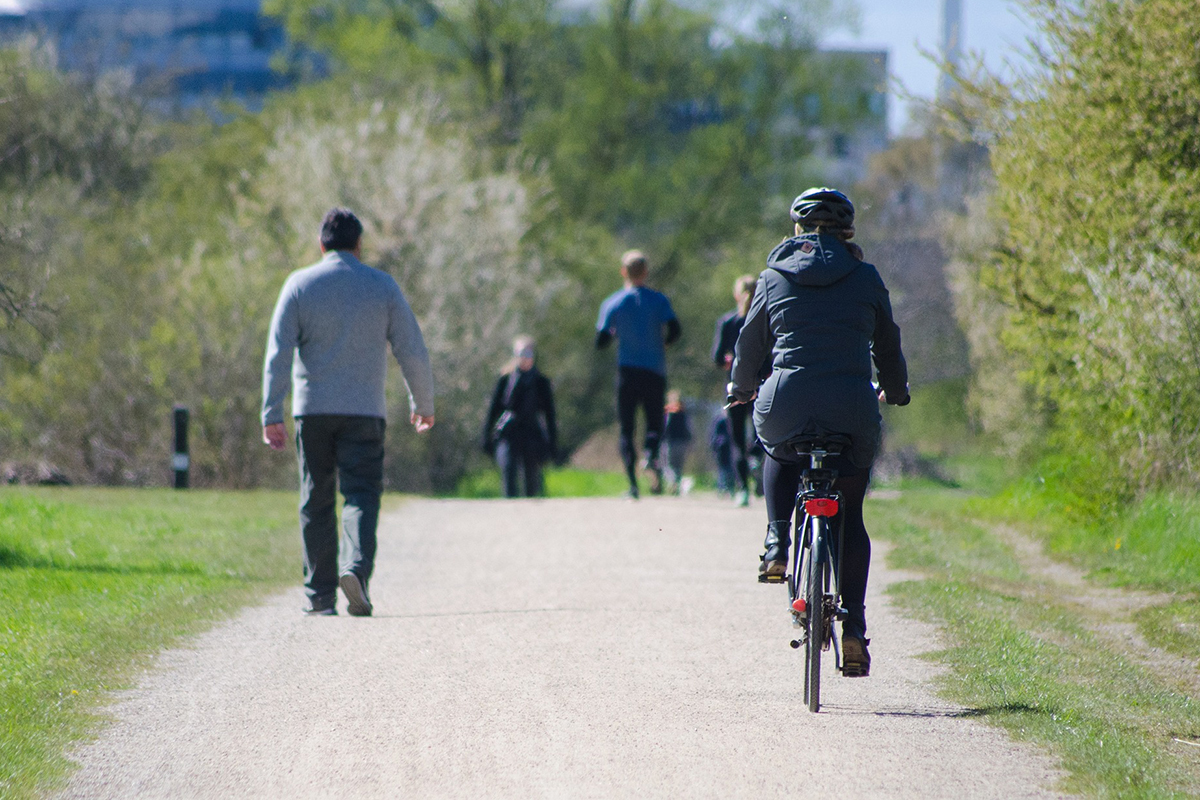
815,603
800,577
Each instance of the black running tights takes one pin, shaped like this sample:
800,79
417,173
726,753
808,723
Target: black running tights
782,482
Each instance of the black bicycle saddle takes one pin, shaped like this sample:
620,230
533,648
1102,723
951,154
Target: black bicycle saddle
833,444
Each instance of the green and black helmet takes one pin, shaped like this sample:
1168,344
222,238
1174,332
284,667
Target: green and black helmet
822,207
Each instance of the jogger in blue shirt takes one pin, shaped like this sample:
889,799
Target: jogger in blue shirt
643,323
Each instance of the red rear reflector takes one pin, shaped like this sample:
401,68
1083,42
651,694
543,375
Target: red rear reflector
799,605
821,507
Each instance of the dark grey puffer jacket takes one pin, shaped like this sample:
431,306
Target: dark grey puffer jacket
818,317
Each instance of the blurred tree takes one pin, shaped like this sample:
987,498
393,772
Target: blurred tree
66,147
1093,281
502,155
448,229
75,291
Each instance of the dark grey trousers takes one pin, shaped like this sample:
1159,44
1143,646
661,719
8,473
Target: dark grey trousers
520,459
335,450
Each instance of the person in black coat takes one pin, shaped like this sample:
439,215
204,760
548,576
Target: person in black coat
724,339
819,317
722,450
520,430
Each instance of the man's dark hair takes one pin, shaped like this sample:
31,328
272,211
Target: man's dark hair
340,230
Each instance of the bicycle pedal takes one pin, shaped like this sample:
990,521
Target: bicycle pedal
771,578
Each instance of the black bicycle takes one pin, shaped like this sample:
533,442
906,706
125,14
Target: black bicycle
814,582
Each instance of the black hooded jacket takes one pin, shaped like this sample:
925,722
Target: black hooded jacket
529,399
818,318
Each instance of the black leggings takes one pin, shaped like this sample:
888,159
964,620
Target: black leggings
640,388
782,482
738,417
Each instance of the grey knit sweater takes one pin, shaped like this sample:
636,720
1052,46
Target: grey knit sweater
329,338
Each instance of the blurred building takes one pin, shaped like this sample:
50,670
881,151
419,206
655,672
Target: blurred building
844,118
186,52
847,122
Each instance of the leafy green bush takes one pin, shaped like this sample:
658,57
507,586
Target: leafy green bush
1090,289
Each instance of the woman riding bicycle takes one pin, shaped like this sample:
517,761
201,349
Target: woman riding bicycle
820,314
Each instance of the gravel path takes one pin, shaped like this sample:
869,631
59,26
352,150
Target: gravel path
552,648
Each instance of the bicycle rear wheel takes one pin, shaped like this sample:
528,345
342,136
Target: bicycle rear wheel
818,567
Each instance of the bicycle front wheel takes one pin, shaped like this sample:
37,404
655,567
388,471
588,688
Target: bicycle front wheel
818,566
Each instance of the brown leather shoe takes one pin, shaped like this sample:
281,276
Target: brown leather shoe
773,569
856,659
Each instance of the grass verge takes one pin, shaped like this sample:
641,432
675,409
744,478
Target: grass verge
1026,656
560,482
93,582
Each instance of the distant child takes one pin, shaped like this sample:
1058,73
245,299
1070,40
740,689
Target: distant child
677,438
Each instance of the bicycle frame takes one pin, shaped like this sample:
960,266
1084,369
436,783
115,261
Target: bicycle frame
816,484
816,556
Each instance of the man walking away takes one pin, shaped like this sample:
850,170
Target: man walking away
643,323
329,337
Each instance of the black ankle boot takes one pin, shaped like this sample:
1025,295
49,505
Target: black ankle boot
856,658
774,560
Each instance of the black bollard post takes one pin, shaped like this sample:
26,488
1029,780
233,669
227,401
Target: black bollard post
180,462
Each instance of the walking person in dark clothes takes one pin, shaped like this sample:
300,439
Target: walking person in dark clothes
718,443
643,323
330,334
820,316
724,339
520,430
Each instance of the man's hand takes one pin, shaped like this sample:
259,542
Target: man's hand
275,435
421,423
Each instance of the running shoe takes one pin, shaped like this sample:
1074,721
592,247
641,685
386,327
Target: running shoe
355,589
321,608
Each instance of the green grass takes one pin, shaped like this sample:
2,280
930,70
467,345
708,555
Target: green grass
93,581
1175,627
560,482
1024,657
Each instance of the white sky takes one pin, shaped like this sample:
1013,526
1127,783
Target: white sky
997,29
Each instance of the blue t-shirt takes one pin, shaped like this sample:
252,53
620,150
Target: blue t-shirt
636,316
